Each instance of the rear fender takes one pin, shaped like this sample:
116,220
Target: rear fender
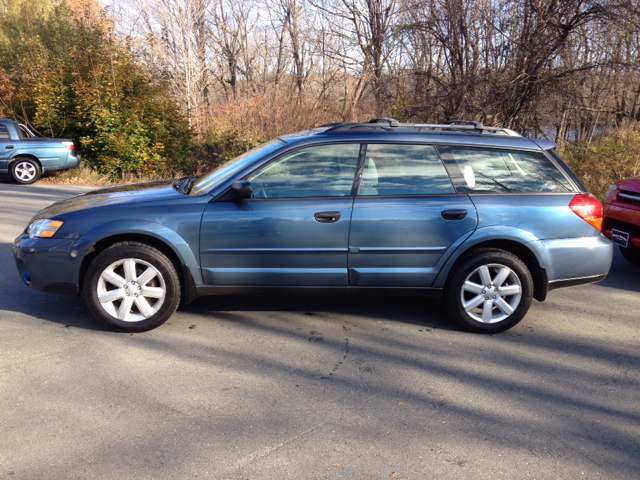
494,233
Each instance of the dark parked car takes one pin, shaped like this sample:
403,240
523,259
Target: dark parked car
480,216
622,218
26,157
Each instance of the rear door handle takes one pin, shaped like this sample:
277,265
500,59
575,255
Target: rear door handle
327,217
9,146
454,214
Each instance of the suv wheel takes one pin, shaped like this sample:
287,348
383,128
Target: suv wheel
631,254
489,292
25,170
132,287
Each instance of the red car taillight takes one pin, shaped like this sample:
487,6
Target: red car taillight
588,208
68,145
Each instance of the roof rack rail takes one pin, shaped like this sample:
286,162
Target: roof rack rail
389,124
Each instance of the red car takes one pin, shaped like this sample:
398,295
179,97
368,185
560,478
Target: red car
621,221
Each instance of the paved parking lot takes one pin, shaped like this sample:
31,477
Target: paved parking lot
261,388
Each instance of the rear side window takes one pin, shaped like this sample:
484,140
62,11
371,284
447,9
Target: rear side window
490,170
396,169
4,132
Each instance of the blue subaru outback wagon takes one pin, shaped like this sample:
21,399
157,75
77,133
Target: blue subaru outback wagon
480,216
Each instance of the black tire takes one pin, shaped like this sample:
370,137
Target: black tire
142,287
490,294
25,170
631,254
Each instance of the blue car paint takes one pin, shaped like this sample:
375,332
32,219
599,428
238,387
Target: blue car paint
277,242
152,209
565,257
398,241
51,259
548,214
49,152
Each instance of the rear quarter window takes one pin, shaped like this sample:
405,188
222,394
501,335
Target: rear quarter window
492,170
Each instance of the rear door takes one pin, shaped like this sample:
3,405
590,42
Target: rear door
294,232
406,219
7,146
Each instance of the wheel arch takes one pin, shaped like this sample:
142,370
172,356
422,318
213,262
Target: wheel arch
182,265
25,155
515,246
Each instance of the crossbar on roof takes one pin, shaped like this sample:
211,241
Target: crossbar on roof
388,124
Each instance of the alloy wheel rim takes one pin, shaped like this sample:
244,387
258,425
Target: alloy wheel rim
131,290
25,171
491,293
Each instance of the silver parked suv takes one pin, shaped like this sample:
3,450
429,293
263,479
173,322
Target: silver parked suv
480,216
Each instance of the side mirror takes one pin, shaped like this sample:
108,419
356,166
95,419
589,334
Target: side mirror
241,190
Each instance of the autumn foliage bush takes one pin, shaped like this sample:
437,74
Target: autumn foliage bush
63,73
610,157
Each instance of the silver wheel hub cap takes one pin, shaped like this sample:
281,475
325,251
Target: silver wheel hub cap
131,290
25,171
491,293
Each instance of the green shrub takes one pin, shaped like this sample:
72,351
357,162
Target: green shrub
609,158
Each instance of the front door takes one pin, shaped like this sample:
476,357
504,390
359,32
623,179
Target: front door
406,218
293,232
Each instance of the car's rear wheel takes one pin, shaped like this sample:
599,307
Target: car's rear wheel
631,254
490,291
132,287
25,170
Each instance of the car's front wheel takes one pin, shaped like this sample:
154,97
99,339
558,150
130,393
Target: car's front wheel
132,287
25,170
490,291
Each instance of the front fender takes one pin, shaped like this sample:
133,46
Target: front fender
499,233
143,227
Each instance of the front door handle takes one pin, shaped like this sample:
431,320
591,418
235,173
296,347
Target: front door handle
454,214
327,217
9,146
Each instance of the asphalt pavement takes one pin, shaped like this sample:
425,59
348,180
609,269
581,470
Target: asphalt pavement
315,388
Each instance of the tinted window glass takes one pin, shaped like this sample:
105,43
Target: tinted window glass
221,173
4,132
488,170
403,170
323,171
570,173
23,132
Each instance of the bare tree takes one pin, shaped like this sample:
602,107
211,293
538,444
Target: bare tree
176,36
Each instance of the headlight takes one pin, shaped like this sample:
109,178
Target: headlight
611,189
44,228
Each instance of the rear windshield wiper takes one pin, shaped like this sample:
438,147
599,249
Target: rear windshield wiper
501,185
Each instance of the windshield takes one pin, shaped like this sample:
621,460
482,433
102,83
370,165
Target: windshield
221,173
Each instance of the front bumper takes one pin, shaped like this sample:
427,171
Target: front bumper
50,264
622,217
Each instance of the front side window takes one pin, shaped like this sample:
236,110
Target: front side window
396,169
223,172
492,170
320,171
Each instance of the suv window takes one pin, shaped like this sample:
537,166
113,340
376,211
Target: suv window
396,169
321,171
491,170
4,132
